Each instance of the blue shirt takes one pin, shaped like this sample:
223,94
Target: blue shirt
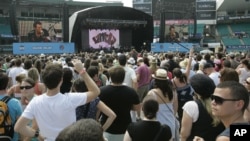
15,110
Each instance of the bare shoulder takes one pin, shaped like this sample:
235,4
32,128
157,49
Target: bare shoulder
222,138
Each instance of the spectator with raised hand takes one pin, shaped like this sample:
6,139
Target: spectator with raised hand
54,111
181,84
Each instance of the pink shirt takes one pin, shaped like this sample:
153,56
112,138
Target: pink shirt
144,73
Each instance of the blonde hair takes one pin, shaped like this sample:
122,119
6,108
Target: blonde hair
201,66
207,104
34,74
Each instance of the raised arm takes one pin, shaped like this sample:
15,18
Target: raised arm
93,90
191,53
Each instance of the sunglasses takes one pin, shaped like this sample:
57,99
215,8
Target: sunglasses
219,100
26,87
248,83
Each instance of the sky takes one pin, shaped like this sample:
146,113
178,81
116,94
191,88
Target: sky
127,3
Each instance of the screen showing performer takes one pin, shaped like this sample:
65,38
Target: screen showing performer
173,36
105,38
38,34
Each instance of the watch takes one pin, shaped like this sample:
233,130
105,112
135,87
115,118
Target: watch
36,134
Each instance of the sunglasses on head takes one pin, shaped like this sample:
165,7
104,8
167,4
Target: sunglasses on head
26,87
220,100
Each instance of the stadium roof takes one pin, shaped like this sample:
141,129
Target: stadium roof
69,2
232,5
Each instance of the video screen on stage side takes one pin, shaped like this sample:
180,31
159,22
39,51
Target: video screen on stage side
53,28
104,38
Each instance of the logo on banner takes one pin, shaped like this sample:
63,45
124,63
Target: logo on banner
61,47
21,48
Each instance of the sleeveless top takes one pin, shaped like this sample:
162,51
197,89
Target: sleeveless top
88,110
203,127
165,115
148,131
184,94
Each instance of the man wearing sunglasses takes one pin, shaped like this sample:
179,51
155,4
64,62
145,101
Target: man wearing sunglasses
229,101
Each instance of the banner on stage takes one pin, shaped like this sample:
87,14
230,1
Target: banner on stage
46,48
171,47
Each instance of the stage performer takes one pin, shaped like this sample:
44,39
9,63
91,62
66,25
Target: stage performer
38,34
173,36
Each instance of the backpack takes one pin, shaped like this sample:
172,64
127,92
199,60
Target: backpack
6,127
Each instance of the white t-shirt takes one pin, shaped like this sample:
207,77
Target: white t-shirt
13,73
244,74
191,108
129,76
54,113
215,77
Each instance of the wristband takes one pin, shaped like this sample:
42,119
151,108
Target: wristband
36,134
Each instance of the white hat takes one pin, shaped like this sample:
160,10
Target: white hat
160,74
42,55
131,60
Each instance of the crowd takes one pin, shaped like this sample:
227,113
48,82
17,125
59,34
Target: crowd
127,96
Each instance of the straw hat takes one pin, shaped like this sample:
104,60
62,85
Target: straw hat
160,74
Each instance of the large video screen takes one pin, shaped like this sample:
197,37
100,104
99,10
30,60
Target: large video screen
104,38
54,29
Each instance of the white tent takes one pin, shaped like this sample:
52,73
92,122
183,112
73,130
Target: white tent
206,51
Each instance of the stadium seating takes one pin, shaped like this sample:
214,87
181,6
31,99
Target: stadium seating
231,41
243,27
223,30
246,41
5,29
5,26
200,28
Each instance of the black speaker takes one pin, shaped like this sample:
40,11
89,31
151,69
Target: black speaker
13,20
162,28
65,23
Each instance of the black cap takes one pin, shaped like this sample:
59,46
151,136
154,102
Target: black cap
202,85
208,65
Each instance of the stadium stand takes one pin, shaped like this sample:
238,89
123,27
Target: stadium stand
231,41
246,41
240,27
223,30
